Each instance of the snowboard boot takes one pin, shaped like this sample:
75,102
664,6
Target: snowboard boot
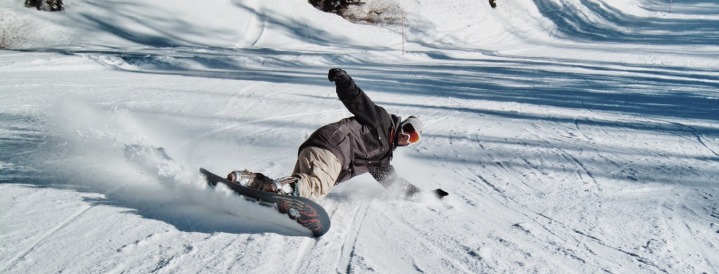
246,178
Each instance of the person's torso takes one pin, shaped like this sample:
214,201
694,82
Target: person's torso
358,147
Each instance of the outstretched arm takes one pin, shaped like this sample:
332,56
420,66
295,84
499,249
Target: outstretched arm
354,99
386,176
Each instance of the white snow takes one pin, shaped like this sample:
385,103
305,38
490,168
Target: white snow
575,136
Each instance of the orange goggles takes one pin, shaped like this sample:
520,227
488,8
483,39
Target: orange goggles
408,130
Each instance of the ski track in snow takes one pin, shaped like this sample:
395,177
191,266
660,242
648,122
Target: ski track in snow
575,136
42,238
348,249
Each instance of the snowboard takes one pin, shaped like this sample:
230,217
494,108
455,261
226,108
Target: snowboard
304,211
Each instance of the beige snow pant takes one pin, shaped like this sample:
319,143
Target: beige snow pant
318,170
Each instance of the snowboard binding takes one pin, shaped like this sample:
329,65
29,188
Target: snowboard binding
246,178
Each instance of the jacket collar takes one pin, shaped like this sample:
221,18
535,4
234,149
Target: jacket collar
394,131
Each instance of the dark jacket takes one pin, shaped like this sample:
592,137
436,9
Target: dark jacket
362,143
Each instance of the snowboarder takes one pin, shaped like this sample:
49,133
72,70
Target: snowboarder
339,151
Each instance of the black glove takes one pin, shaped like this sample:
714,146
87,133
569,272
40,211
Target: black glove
339,76
440,193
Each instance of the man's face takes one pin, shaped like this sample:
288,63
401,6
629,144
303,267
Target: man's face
403,140
407,135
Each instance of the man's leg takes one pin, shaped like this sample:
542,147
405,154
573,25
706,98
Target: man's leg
317,169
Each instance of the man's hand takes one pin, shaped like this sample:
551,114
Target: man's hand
338,75
440,193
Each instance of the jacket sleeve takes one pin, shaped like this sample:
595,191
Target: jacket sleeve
360,105
386,176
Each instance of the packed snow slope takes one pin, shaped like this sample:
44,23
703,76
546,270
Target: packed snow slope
575,136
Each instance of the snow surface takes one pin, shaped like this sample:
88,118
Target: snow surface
575,136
